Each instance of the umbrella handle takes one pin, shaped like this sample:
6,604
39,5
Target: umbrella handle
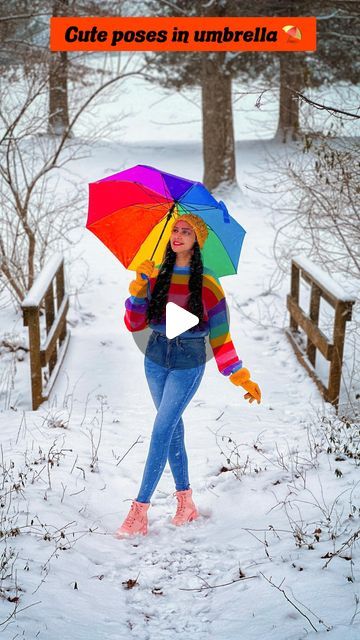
168,217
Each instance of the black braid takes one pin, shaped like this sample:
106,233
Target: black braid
195,304
159,294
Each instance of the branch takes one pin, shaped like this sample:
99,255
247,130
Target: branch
324,107
129,449
22,16
52,162
9,128
215,586
293,604
348,542
172,5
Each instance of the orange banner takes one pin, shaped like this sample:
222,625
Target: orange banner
183,34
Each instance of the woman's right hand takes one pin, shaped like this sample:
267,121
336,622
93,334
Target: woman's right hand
146,267
138,287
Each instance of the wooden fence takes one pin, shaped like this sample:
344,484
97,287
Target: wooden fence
49,352
322,286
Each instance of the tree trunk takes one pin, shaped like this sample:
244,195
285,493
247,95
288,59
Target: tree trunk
291,79
217,122
58,89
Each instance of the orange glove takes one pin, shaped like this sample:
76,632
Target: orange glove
146,267
241,378
138,286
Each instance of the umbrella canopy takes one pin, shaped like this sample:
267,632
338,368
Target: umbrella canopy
293,32
132,212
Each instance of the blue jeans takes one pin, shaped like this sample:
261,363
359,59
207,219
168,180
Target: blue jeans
174,369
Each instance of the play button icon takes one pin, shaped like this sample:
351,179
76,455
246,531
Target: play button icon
178,320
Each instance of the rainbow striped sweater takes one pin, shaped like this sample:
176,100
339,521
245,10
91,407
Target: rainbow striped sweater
215,322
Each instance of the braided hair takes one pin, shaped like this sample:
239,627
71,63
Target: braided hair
159,295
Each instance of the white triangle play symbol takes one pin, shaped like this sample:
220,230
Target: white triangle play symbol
178,320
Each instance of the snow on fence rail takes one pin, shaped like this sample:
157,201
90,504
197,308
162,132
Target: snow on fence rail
48,353
322,286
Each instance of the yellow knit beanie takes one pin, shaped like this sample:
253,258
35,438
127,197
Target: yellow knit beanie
197,224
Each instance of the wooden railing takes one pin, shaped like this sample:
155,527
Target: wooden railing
56,336
322,286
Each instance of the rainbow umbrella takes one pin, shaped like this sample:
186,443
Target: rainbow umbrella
130,213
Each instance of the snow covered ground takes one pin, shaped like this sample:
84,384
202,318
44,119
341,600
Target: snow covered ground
259,561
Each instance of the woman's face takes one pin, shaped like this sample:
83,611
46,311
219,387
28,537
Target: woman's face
182,237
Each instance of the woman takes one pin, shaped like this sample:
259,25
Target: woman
174,367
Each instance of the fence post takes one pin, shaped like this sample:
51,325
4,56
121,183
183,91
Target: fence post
49,319
341,316
314,315
60,294
32,321
295,284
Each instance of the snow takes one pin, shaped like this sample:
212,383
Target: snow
60,356
73,466
41,284
323,278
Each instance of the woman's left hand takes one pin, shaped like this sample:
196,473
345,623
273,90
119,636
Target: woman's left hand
253,391
241,378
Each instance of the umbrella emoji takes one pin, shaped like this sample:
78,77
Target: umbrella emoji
130,212
294,33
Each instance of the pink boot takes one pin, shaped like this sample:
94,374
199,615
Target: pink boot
135,522
186,509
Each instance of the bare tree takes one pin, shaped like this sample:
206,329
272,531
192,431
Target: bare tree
39,200
58,80
65,67
323,218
